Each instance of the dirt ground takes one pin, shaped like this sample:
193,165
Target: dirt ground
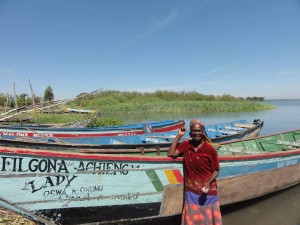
9,218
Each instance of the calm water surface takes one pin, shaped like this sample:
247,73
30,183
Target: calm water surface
281,208
284,117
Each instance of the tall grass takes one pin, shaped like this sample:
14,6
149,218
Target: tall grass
113,97
72,118
183,106
116,102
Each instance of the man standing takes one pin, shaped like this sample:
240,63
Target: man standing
201,167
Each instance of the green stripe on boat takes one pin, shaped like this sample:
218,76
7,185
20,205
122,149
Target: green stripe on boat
155,180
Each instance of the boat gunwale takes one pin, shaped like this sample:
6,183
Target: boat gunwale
137,158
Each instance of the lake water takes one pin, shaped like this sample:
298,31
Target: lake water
281,208
284,117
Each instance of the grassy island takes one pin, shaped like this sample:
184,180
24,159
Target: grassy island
110,104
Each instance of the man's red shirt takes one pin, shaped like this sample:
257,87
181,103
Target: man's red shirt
198,166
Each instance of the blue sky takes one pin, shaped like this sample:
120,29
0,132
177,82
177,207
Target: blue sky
242,48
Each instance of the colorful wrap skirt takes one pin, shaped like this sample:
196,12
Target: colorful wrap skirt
201,209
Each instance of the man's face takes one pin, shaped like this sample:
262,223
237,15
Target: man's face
196,131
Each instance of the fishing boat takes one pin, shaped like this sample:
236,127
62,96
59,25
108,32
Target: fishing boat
220,132
82,111
80,132
57,187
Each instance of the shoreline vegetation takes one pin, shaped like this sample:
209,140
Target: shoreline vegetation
110,104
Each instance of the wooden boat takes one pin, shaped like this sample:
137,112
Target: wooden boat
56,187
82,111
80,132
221,132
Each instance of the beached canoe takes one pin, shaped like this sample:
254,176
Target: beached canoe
56,187
80,132
217,133
81,111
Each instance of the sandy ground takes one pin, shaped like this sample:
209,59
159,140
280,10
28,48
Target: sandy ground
8,218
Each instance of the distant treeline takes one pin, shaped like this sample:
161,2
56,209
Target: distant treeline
10,101
22,100
253,98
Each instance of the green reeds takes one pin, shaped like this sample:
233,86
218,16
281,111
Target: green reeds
73,118
183,106
116,102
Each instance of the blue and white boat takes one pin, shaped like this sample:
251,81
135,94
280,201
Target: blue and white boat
85,132
217,133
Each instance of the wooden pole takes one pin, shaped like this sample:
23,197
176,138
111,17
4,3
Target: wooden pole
6,103
33,103
15,97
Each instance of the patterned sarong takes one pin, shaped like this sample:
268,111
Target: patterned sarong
201,210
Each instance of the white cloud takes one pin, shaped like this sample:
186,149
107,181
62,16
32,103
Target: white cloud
154,27
162,23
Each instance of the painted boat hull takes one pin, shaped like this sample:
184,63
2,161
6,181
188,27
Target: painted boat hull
156,142
78,132
217,133
73,188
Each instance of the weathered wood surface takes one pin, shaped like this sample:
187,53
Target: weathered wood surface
237,189
244,125
172,202
241,188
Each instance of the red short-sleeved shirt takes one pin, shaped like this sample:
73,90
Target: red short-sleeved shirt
198,166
